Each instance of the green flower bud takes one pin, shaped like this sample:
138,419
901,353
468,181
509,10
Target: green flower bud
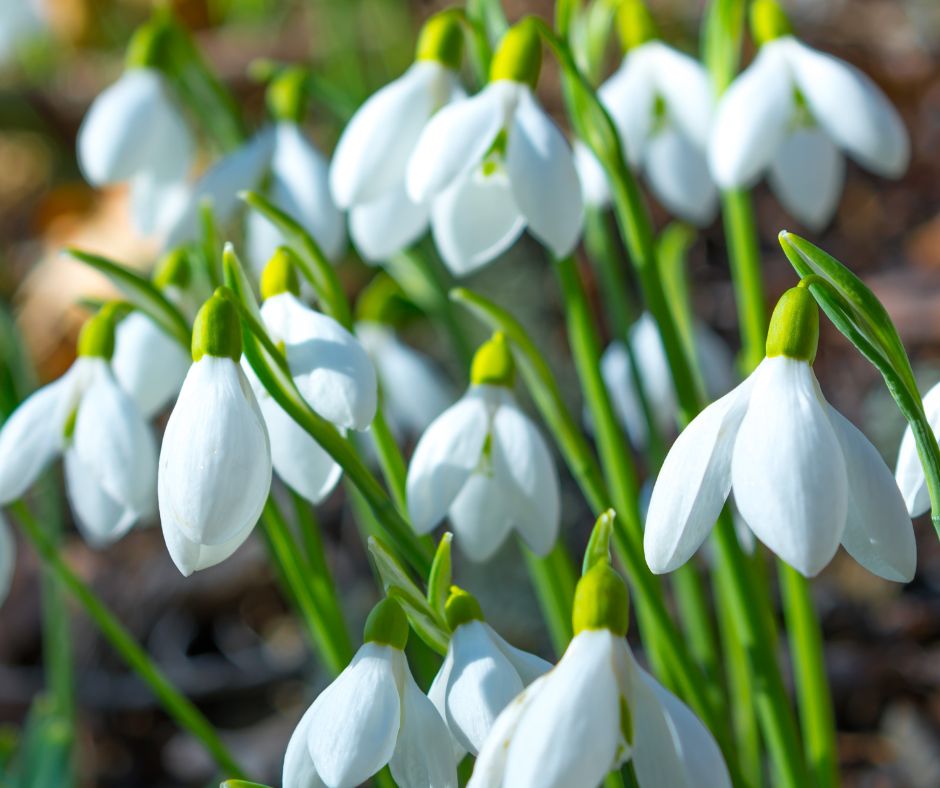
635,24
519,55
147,44
493,364
279,275
173,269
461,607
601,601
97,335
794,326
286,95
217,330
387,625
441,39
768,21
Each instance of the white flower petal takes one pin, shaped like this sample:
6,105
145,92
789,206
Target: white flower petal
457,138
215,462
629,97
148,363
354,722
190,556
528,666
693,483
852,109
569,733
372,154
878,530
544,181
7,558
788,472
807,176
101,518
594,187
751,120
523,465
331,369
298,459
686,89
32,436
475,220
423,756
482,683
437,694
443,460
678,175
384,227
157,200
909,472
298,770
482,516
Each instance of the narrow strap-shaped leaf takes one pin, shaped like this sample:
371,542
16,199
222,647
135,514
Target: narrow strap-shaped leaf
439,579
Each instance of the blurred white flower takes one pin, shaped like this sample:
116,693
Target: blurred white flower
661,102
910,473
804,478
20,20
792,114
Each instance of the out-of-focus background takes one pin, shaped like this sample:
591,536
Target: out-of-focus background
225,636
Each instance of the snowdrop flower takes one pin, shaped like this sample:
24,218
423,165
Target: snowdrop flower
149,364
109,452
136,132
793,113
661,102
414,392
481,674
373,714
910,473
646,344
367,175
332,372
804,478
483,463
215,462
7,558
495,164
596,710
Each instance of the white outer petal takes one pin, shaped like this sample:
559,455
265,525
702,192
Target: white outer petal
629,95
456,139
372,154
443,460
148,363
878,530
190,556
852,109
788,472
354,722
330,367
437,694
215,463
157,199
528,666
807,176
693,483
482,515
525,470
298,770
686,89
679,177
593,179
909,471
569,734
544,181
388,225
751,119
101,518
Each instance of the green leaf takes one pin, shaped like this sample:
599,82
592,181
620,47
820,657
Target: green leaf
242,784
142,293
425,620
440,577
721,40
45,756
598,546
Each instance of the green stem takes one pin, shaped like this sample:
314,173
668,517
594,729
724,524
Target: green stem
744,254
176,705
390,459
554,580
809,668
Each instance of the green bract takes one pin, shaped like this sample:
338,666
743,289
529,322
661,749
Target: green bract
519,56
441,40
493,364
461,608
794,326
601,601
768,21
279,276
387,625
217,330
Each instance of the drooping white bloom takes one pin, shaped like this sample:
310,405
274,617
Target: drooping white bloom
299,186
7,558
135,132
373,714
592,712
646,344
367,174
414,392
484,464
804,478
661,101
480,675
792,114
109,452
215,462
910,473
495,164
